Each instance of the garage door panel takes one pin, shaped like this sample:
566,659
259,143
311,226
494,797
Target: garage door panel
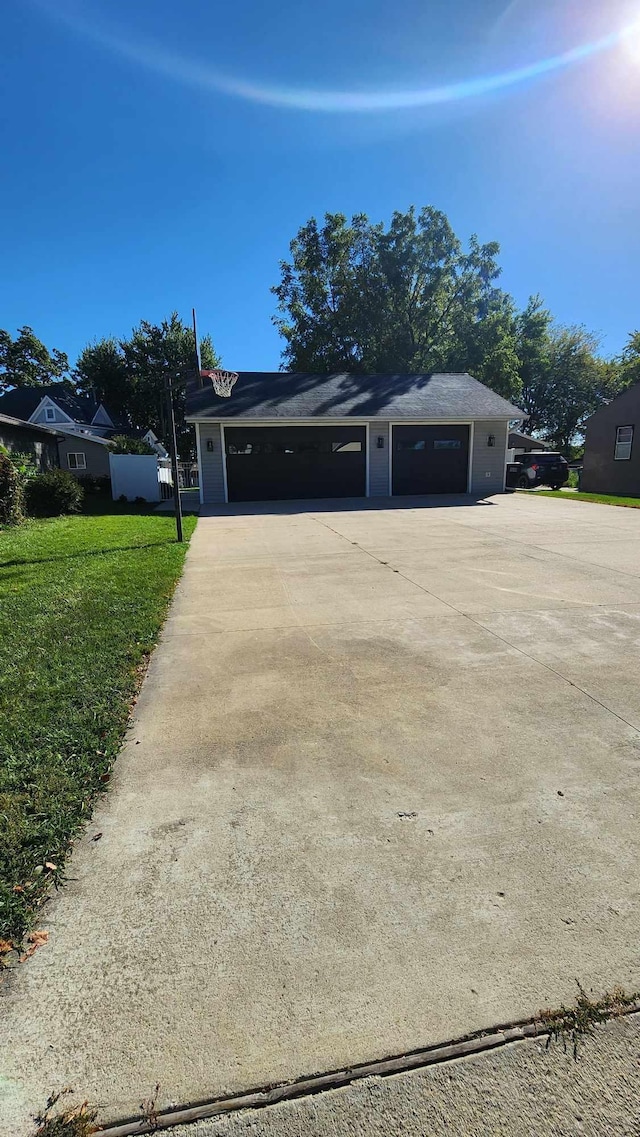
430,459
288,463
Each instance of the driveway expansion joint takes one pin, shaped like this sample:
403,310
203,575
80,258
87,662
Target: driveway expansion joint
269,1095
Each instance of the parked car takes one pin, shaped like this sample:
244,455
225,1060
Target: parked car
540,468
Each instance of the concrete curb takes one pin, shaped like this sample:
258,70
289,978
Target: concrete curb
400,1064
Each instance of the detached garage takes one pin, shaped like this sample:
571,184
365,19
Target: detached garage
290,436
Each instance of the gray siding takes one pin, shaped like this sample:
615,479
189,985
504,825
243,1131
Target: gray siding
488,463
212,467
41,416
21,440
378,460
96,456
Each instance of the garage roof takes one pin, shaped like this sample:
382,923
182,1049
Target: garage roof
292,395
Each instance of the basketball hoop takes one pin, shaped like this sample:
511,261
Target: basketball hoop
222,381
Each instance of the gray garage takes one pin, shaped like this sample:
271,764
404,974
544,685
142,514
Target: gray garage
297,436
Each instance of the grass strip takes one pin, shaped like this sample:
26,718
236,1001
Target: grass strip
82,599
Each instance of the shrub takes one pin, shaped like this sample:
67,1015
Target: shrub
11,492
95,483
25,464
124,445
49,495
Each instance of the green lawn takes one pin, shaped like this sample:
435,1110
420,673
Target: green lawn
599,498
82,599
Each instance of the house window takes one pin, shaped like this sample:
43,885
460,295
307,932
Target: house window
447,444
624,443
77,460
346,448
50,414
407,444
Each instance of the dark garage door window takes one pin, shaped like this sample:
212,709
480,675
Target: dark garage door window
285,463
430,459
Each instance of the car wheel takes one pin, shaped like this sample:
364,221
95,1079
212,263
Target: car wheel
557,487
523,482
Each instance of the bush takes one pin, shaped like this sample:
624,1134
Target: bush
25,464
123,445
95,483
49,495
11,492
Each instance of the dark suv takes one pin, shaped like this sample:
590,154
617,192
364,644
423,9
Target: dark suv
540,468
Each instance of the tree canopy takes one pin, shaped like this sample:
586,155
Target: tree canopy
26,362
410,297
127,374
356,296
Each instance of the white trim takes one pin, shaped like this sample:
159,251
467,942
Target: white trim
224,464
199,461
436,422
76,431
367,486
77,454
47,401
623,457
350,420
507,448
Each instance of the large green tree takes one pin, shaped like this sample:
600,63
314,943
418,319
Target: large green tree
128,374
629,362
26,362
579,382
406,298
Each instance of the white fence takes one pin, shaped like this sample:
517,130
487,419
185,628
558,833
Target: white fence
134,476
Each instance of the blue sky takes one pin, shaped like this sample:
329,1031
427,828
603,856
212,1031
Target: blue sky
157,156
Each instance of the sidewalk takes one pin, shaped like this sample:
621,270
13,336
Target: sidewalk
522,1090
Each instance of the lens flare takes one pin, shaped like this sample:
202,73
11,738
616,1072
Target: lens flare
210,77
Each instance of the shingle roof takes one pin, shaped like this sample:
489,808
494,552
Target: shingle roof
291,395
525,438
22,402
9,420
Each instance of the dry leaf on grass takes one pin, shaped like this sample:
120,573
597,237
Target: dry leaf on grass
50,865
5,946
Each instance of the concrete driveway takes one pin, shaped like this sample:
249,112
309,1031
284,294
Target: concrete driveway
381,791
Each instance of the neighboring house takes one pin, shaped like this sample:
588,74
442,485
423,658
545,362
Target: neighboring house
58,407
83,453
612,447
39,442
155,443
288,436
524,444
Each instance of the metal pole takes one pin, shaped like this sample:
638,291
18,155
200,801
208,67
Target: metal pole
174,460
197,348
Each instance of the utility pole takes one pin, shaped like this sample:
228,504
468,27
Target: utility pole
174,457
196,347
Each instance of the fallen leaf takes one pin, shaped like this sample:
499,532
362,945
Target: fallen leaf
38,938
50,865
5,945
35,940
96,837
18,888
